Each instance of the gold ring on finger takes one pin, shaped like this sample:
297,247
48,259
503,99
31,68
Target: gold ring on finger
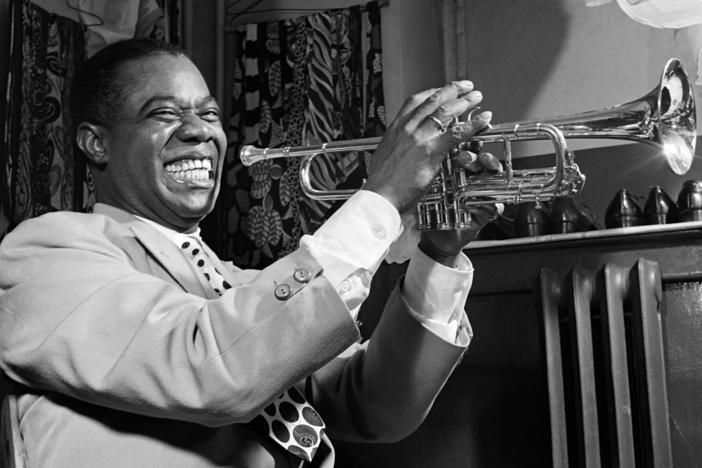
439,123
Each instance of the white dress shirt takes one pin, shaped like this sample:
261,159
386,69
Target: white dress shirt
350,246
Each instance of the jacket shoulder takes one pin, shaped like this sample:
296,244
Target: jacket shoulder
65,229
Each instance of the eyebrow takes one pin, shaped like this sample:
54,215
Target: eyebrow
167,98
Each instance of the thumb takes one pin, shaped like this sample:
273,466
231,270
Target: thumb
465,130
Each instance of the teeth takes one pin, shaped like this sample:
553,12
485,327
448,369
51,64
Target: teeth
192,174
191,169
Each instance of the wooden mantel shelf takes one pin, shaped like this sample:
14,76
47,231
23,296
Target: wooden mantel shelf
692,228
513,264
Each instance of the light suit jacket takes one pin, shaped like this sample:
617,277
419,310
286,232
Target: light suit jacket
123,356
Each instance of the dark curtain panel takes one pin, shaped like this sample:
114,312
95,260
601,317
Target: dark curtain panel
303,81
41,170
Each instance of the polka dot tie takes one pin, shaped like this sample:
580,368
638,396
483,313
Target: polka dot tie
290,420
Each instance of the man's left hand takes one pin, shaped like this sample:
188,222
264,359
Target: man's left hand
444,246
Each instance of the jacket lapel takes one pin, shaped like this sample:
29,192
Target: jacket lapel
172,260
163,250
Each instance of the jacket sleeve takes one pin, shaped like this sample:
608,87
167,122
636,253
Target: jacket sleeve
381,391
77,318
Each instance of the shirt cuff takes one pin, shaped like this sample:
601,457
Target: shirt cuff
435,291
457,330
357,236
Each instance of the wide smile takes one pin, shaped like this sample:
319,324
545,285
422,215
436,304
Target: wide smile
193,171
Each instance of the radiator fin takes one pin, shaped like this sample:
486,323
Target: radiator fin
603,346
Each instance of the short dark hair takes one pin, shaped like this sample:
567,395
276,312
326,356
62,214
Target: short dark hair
97,92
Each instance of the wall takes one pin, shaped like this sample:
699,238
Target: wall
4,68
546,58
412,49
4,51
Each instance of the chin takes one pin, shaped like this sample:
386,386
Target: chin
194,209
192,212
188,203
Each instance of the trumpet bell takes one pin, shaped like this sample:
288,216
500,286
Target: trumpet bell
677,125
664,117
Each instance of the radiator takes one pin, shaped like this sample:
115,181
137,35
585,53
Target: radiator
603,347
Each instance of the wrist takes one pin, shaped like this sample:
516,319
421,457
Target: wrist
402,201
389,196
449,259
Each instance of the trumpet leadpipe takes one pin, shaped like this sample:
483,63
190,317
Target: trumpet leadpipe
250,154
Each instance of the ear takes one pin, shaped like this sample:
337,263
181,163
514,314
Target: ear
91,140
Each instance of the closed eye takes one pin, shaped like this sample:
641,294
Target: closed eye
210,115
166,114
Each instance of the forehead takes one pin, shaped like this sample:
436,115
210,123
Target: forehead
162,74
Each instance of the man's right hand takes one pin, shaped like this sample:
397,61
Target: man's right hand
414,145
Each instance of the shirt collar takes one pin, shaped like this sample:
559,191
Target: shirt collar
172,234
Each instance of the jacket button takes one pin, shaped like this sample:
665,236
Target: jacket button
301,275
282,291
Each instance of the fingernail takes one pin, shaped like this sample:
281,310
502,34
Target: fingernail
487,115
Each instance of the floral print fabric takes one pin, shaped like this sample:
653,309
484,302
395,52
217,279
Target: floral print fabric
40,173
298,82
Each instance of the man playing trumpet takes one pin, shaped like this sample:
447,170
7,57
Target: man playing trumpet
126,340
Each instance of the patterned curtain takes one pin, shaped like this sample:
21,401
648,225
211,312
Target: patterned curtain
37,156
39,168
296,82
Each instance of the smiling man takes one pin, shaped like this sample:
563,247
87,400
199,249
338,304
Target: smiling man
158,145
128,343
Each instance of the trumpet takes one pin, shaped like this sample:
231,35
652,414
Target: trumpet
665,117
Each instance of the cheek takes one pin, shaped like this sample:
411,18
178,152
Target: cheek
144,144
143,157
147,152
221,143
159,138
221,139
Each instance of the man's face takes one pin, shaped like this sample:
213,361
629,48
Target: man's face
165,148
